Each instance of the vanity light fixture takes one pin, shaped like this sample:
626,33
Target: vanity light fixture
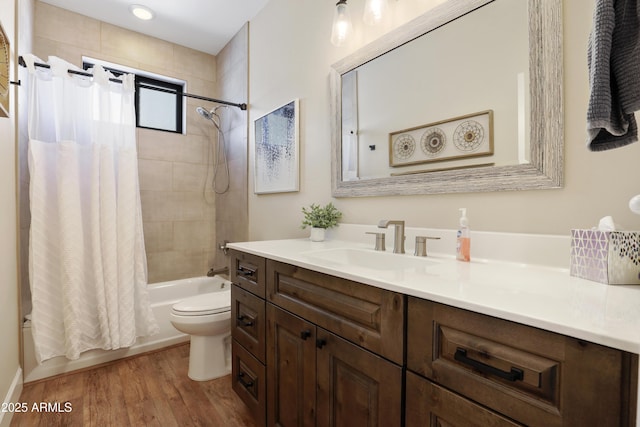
373,11
342,26
141,12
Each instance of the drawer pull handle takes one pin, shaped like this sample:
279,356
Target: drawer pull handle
321,342
246,272
514,375
241,380
240,321
305,334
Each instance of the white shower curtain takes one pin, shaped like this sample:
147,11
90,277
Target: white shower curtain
87,262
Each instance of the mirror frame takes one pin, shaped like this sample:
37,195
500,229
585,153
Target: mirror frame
546,167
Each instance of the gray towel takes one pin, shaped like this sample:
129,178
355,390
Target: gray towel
614,74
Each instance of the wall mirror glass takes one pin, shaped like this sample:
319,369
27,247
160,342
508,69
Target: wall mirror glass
467,97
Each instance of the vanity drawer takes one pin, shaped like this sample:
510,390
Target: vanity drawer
365,315
248,380
248,272
429,405
248,321
532,376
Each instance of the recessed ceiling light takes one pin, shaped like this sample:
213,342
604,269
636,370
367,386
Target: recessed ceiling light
141,12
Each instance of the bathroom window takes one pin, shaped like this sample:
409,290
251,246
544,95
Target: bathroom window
155,109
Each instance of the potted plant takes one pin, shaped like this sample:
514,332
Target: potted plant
319,219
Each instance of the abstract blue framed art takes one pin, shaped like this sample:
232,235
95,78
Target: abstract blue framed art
276,167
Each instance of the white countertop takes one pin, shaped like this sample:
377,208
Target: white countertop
540,296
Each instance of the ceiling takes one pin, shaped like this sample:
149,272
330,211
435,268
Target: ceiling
205,25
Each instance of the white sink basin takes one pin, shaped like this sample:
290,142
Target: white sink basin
370,259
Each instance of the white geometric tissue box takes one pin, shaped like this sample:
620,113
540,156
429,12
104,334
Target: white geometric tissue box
611,257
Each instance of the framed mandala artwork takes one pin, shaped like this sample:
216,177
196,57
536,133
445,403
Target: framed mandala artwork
470,135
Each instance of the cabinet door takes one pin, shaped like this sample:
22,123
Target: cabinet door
368,316
248,272
291,371
248,321
535,377
355,387
248,381
429,405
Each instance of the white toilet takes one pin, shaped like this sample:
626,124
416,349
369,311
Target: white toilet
207,318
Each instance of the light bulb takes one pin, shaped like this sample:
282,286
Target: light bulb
634,204
141,12
342,26
374,10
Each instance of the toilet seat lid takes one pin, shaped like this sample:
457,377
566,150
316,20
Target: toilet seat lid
199,305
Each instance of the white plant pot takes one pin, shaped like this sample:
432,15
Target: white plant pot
317,234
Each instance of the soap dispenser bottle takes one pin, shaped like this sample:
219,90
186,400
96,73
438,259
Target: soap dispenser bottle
463,243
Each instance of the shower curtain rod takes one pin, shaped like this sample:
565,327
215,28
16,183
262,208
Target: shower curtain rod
241,106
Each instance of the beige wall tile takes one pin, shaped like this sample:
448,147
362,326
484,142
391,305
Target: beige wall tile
158,236
60,25
123,43
233,231
201,87
174,265
234,52
231,207
155,145
194,63
172,206
43,48
158,205
237,143
189,206
191,235
188,177
155,174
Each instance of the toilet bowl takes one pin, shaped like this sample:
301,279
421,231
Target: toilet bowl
207,318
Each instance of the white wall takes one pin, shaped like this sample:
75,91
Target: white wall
10,348
290,57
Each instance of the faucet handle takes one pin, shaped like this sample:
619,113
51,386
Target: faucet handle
379,240
421,245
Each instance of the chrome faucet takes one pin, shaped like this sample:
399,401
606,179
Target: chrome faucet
398,237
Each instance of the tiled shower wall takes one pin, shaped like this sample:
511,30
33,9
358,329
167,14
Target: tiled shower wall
232,84
178,208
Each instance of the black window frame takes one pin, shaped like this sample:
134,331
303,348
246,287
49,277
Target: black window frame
146,81
171,88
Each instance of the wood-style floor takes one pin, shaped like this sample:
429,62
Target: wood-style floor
148,390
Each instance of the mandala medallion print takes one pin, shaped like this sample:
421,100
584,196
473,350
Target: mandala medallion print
404,147
433,142
468,136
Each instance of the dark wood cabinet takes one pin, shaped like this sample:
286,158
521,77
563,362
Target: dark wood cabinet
354,386
429,405
247,271
531,376
248,321
291,371
310,349
370,317
249,381
248,332
359,348
315,378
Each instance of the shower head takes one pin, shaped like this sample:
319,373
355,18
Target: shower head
205,113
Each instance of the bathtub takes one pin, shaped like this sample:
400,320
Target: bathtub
162,295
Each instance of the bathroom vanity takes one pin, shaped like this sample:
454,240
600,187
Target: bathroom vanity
335,333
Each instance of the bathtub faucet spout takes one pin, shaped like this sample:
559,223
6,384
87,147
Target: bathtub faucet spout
215,271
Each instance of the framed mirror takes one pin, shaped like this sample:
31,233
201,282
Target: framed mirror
473,74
